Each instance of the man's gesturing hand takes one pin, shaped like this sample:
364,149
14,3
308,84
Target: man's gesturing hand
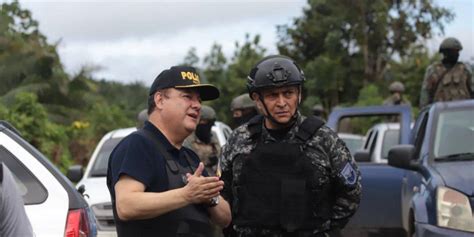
200,189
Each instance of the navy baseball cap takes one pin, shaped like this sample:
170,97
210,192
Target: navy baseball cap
182,77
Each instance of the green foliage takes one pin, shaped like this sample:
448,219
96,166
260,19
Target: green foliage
191,59
105,117
57,120
410,70
349,50
231,78
30,118
369,95
349,44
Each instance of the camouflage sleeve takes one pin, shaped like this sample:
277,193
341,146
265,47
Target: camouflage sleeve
424,93
225,164
187,143
347,181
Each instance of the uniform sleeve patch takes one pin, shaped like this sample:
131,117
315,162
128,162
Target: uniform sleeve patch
349,174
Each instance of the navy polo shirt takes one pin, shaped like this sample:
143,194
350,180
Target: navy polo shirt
138,157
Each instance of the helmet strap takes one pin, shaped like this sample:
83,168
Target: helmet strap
272,119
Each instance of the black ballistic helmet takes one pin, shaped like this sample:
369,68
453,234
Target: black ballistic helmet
274,71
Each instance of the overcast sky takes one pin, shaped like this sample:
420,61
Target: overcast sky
135,40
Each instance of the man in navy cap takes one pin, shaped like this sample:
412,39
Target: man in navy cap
158,187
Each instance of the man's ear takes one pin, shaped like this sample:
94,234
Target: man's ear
258,102
158,98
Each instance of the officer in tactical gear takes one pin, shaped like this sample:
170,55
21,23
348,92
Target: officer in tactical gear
396,89
203,142
243,109
285,174
449,79
157,186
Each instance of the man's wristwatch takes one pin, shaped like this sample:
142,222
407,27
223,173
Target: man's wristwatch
214,201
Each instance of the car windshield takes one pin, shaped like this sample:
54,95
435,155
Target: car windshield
454,138
100,166
353,144
390,139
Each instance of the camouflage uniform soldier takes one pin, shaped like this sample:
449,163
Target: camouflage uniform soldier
285,174
203,142
243,109
449,79
396,89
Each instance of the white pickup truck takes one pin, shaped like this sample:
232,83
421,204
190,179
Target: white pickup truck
379,139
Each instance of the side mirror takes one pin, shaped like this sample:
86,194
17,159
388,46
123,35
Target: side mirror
75,173
362,156
402,156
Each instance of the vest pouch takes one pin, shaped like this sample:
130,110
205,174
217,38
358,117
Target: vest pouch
456,79
446,80
259,206
293,204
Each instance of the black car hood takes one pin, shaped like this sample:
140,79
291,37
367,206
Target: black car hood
458,175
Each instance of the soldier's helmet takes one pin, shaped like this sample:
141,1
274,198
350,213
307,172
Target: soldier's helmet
242,102
208,113
141,118
318,108
450,43
274,71
396,86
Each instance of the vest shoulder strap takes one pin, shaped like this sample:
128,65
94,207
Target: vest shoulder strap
255,126
309,127
170,162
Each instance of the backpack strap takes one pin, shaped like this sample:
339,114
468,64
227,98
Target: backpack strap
170,162
309,127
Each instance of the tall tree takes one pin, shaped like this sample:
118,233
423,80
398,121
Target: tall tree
361,35
191,58
231,79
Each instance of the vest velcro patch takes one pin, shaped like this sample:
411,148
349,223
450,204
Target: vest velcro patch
349,174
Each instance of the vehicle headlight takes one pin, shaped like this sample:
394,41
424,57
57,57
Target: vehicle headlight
454,210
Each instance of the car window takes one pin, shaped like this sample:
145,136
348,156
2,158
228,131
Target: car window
99,168
368,140
353,144
30,188
372,144
390,139
454,133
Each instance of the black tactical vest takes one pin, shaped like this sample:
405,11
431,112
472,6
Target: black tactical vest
279,188
188,221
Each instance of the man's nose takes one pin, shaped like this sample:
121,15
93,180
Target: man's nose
281,100
196,103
